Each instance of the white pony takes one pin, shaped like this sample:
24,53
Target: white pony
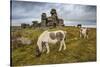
84,32
51,37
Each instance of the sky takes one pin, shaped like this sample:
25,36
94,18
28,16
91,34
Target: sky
72,14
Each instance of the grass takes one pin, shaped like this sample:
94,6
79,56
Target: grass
78,49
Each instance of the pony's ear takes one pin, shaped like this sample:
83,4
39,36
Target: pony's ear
38,53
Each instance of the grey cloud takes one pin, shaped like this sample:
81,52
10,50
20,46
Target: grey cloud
25,11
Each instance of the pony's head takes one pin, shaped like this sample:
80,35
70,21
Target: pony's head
38,53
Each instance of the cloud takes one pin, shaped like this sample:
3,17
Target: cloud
23,11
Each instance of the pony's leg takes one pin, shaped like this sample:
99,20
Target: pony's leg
47,46
64,45
80,35
61,44
87,36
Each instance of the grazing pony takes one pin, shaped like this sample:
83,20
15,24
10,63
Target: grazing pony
50,37
84,32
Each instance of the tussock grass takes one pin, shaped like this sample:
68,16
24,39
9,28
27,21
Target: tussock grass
78,49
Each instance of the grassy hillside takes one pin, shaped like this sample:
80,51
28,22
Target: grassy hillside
78,49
